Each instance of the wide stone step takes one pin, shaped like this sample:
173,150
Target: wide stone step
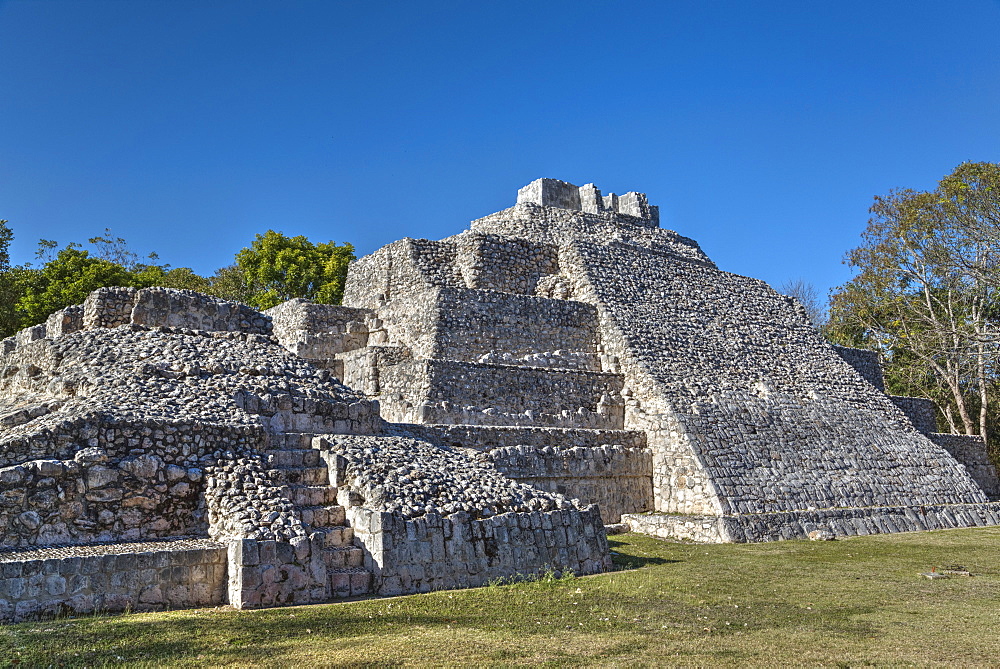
349,582
311,495
337,536
323,516
295,457
300,475
290,440
343,557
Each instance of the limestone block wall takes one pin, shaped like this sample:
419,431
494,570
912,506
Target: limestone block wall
125,577
152,307
399,269
88,498
108,307
615,478
289,413
848,522
921,412
64,321
487,437
480,325
443,391
360,369
866,363
272,572
970,450
174,308
492,262
438,552
320,331
680,481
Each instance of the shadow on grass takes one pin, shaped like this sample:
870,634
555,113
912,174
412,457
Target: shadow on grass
628,560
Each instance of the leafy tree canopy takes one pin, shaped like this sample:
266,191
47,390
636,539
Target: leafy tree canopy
927,294
68,279
277,268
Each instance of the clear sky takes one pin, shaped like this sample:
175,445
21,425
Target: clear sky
761,129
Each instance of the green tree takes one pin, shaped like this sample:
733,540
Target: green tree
11,285
68,279
277,268
6,237
230,283
167,277
926,295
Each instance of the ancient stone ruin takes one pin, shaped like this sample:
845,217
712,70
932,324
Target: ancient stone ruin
479,408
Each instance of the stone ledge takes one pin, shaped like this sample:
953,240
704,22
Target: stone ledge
798,524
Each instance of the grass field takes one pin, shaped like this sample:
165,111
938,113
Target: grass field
859,601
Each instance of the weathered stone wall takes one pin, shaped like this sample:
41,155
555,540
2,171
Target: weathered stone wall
92,498
971,451
271,572
490,326
921,412
438,553
320,331
798,524
153,307
866,363
399,269
64,321
443,391
486,437
492,262
431,518
587,198
617,479
51,582
108,307
187,309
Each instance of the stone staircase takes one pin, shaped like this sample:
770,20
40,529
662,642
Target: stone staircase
298,467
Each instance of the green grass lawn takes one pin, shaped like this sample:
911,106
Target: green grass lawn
859,601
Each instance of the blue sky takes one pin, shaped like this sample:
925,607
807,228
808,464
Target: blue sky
761,129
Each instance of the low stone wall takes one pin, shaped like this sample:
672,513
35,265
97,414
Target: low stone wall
140,577
617,479
971,451
168,307
860,521
921,412
681,527
438,552
64,321
92,498
152,307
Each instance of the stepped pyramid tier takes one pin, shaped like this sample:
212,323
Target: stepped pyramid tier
583,349
160,448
